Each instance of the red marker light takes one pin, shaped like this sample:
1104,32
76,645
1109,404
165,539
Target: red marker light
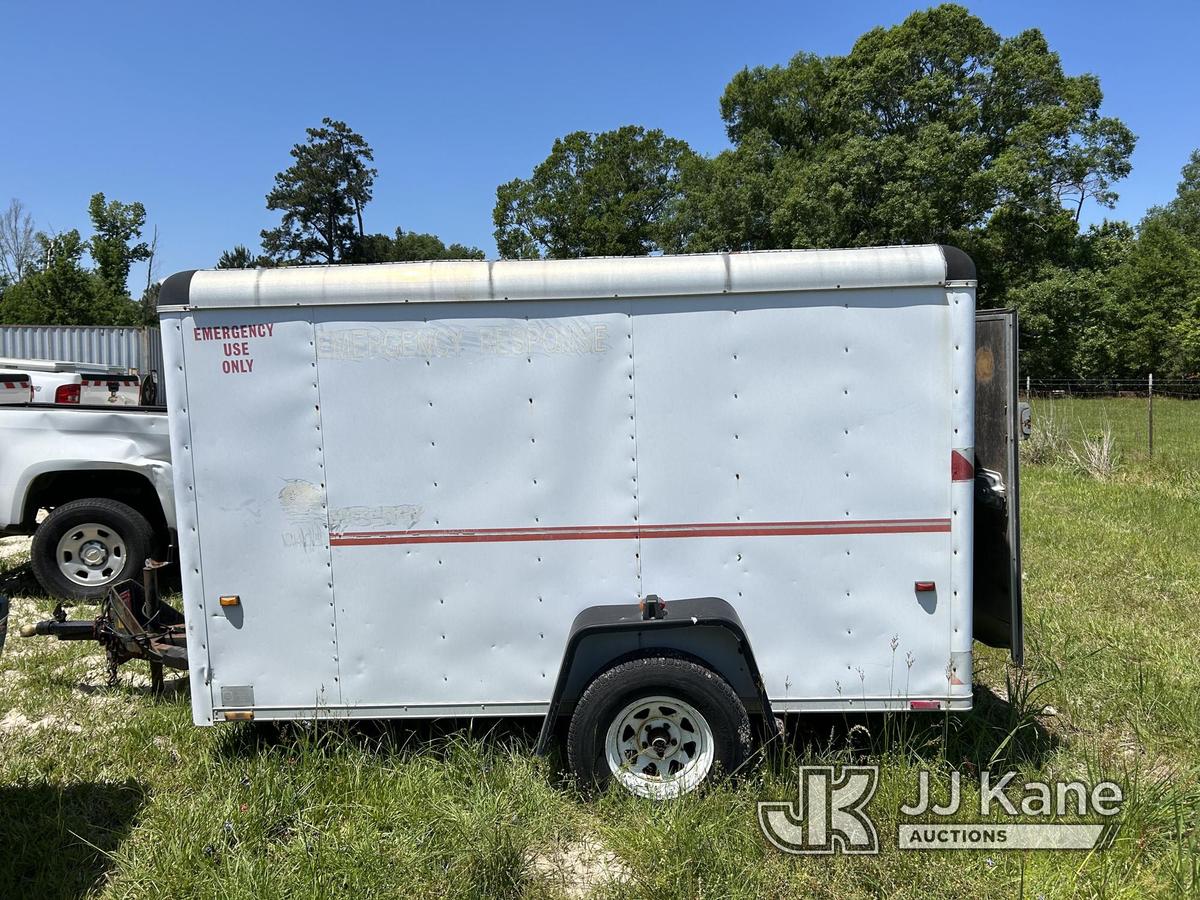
67,393
925,704
960,467
922,587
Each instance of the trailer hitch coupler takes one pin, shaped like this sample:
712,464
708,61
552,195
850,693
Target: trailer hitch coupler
64,631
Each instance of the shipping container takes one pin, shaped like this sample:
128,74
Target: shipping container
137,350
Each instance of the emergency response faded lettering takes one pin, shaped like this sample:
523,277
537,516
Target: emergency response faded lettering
390,343
235,344
574,337
304,504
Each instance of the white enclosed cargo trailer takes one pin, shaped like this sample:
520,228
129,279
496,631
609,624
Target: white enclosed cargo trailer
460,488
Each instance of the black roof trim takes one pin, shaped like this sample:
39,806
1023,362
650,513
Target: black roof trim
959,266
177,289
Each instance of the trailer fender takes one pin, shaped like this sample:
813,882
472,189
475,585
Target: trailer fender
706,629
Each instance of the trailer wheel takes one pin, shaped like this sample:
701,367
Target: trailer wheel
660,726
84,547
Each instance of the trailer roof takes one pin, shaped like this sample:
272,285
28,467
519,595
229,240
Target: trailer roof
456,281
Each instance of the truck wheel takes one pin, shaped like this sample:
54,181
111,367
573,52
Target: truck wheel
84,547
660,726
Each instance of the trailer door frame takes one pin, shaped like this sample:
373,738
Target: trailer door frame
997,434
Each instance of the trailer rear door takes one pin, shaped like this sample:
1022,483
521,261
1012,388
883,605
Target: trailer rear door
997,612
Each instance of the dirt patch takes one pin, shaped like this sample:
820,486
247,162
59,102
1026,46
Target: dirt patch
23,611
163,743
23,608
578,868
13,548
16,722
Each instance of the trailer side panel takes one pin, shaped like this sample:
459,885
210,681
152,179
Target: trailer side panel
405,503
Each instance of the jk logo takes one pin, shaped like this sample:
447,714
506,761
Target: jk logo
830,816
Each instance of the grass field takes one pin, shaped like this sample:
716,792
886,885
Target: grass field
108,792
1176,426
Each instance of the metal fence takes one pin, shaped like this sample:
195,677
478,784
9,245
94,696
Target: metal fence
1145,418
1149,385
136,349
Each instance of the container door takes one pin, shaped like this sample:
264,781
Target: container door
997,594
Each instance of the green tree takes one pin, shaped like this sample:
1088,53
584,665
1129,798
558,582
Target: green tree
117,226
611,193
1153,309
61,291
1064,307
148,304
409,246
935,130
1183,213
322,196
1126,305
242,257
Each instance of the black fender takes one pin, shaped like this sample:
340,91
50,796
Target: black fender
706,629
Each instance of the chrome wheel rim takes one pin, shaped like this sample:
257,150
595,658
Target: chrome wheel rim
659,747
91,554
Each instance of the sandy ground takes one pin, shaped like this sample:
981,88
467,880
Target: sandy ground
92,704
14,546
578,868
15,720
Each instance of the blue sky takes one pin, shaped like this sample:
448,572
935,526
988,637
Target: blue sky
192,108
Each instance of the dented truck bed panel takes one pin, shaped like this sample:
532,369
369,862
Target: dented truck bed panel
406,503
40,439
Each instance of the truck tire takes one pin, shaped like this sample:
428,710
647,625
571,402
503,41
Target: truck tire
85,547
660,726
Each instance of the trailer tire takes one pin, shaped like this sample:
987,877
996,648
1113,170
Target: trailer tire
84,547
657,713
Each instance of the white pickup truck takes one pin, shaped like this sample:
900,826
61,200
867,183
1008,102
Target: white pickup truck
104,478
16,388
78,383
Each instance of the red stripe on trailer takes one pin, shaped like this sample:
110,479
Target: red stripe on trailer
640,532
961,468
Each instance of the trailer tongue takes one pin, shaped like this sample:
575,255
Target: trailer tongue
134,622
